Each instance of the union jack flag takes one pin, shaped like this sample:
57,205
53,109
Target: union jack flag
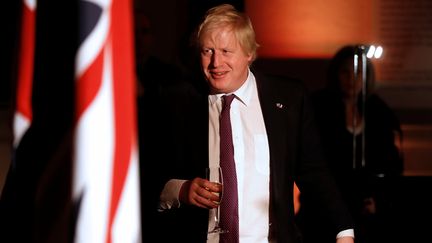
75,108
105,179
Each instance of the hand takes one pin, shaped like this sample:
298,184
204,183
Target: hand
201,193
346,239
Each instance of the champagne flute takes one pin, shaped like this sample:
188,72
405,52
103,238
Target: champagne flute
214,174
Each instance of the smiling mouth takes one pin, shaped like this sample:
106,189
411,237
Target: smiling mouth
218,74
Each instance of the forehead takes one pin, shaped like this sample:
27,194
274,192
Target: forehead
219,35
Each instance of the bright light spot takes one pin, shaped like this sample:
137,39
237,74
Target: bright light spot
371,51
378,52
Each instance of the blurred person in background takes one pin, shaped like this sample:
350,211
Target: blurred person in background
365,175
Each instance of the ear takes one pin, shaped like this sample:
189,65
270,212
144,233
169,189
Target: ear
250,57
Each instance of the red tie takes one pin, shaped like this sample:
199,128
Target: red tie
229,205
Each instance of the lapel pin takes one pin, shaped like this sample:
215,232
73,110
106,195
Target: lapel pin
279,105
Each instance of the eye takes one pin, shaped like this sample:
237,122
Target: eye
227,52
207,52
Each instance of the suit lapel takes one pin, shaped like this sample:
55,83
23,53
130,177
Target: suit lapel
277,115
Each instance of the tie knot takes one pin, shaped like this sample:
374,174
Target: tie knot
227,100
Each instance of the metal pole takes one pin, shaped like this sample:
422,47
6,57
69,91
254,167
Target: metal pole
363,104
353,107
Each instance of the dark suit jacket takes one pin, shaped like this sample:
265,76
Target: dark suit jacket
174,144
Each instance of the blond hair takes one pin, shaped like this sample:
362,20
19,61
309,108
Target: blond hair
226,15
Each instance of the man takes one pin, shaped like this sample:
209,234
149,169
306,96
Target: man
274,140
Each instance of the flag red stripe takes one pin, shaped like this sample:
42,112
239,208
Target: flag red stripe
26,57
89,83
124,100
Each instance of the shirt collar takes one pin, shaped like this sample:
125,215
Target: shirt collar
243,94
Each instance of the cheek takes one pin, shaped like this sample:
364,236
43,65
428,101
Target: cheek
205,70
205,62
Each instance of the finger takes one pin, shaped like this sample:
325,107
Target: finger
198,195
212,186
203,201
204,193
208,203
202,196
208,195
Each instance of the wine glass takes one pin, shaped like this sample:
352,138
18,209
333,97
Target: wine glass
214,174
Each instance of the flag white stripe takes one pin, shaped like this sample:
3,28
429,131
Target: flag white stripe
94,147
129,202
31,4
20,125
93,44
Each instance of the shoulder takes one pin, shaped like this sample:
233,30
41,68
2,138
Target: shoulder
274,89
279,83
378,105
379,109
278,79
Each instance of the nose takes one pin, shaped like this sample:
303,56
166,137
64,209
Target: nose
216,59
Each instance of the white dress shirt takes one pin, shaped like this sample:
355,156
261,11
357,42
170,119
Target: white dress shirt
251,155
